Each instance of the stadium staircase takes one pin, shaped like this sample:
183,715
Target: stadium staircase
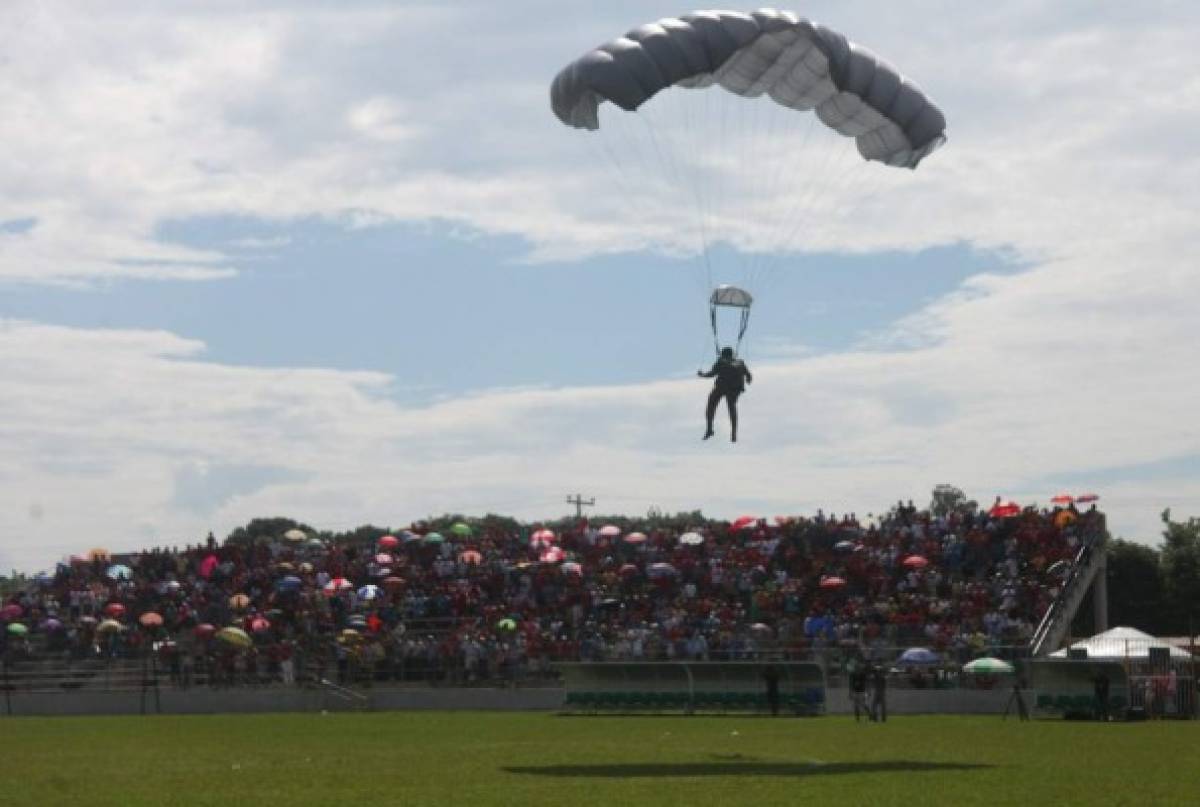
1055,626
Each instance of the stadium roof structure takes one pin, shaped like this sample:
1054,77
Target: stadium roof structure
1122,643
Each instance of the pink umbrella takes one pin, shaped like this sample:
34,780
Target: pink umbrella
552,555
114,609
543,536
831,583
1062,498
571,567
915,562
470,557
384,559
11,612
204,630
260,625
150,619
627,570
207,566
389,542
635,538
610,531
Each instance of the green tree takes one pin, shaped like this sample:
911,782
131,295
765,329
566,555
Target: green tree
1181,573
263,530
1136,593
948,499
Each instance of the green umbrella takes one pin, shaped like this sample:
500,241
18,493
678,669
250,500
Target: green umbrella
434,538
316,543
461,530
17,629
988,666
235,636
507,624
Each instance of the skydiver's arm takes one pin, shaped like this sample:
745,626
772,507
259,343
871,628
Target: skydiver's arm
709,374
749,378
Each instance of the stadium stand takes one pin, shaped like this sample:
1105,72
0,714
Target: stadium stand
491,601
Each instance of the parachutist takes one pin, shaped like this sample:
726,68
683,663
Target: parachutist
731,375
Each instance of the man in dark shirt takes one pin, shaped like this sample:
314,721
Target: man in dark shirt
732,376
771,676
878,694
858,690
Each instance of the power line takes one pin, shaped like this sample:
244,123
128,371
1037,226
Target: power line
580,503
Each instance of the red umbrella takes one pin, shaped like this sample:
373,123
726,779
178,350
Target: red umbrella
11,612
1087,498
830,583
635,538
204,630
543,536
393,583
1062,498
150,619
260,625
743,523
114,609
915,562
338,584
1005,509
389,542
552,555
471,557
627,570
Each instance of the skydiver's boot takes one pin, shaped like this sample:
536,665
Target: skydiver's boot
708,432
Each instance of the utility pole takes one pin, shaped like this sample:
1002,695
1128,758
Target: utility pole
580,503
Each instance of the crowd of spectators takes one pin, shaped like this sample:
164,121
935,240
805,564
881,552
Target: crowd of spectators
462,602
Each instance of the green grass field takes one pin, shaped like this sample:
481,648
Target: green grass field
420,758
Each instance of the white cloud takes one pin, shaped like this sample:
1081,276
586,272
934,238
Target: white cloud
1069,148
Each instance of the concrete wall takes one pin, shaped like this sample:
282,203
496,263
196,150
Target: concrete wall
279,699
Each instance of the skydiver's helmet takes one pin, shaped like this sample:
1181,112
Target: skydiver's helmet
727,353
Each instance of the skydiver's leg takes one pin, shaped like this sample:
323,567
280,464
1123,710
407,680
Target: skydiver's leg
710,412
731,402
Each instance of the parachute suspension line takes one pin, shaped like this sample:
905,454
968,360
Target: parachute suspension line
737,351
859,176
817,183
676,176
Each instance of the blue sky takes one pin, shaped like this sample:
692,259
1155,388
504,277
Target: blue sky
447,314
339,261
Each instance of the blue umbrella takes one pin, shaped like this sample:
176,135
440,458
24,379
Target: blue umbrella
919,655
290,583
119,572
369,592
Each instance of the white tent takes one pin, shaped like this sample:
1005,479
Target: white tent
1122,643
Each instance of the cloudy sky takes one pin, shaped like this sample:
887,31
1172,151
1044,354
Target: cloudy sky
338,261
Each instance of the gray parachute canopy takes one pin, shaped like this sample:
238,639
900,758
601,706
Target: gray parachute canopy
798,63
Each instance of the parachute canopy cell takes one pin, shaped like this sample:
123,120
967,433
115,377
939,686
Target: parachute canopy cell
731,296
799,64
